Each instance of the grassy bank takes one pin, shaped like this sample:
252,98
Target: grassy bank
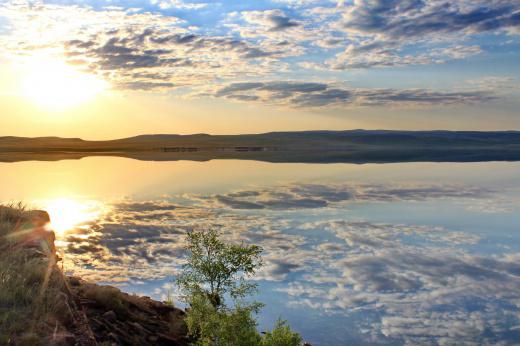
39,305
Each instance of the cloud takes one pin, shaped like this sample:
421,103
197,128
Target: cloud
310,95
281,22
272,20
389,54
178,4
132,49
311,196
144,51
268,23
382,97
133,206
406,32
425,293
277,269
406,19
153,59
145,240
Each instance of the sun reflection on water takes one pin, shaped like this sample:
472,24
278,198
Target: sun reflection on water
67,213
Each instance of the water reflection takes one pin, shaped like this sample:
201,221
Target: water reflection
403,282
416,254
67,214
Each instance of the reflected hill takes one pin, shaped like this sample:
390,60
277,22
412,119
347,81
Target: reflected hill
354,146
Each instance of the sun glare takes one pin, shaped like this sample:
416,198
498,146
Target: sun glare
54,85
67,214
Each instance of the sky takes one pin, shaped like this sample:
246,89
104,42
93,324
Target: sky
108,69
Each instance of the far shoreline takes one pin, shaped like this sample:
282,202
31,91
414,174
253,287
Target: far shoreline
356,146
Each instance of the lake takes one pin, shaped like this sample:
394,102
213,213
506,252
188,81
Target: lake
398,253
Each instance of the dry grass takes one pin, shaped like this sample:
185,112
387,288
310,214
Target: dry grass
30,285
11,219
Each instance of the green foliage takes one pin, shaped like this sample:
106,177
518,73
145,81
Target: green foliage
216,270
281,335
226,327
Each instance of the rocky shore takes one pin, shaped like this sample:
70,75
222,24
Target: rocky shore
39,305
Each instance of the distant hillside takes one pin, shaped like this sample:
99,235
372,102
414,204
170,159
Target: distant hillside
305,146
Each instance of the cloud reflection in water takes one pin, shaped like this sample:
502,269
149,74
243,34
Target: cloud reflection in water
425,284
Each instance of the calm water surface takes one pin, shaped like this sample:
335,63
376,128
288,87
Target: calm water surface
407,253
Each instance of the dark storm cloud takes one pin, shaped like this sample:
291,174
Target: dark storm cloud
308,95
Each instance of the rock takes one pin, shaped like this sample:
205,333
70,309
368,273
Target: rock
110,316
114,338
38,217
166,339
74,281
137,327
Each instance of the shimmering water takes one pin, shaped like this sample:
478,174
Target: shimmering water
405,253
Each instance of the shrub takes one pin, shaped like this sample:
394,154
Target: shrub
216,271
226,327
281,335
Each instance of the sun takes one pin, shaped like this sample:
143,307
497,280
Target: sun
54,85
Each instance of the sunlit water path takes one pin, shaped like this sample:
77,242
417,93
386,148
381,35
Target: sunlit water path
415,253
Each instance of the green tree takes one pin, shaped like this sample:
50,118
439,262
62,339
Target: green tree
214,271
215,268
